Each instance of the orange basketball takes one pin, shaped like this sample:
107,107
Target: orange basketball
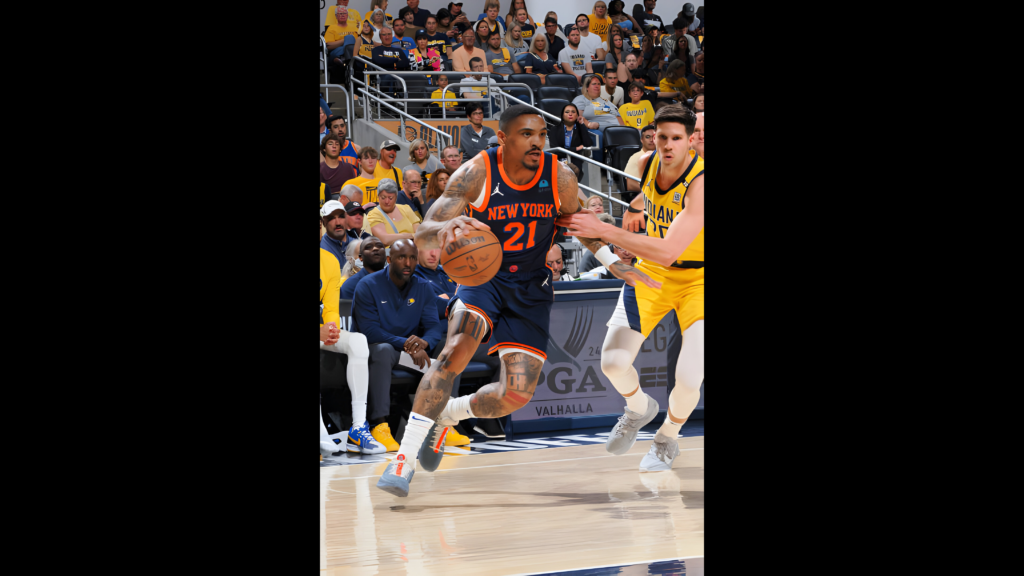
472,259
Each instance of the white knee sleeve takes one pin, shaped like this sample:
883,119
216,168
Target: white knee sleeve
353,345
621,345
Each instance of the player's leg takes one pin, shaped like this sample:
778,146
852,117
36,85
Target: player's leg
357,374
689,375
466,329
639,309
520,373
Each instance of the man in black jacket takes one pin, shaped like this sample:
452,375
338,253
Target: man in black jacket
389,58
555,44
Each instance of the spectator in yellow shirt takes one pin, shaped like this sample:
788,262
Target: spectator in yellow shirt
391,221
336,34
442,82
366,181
637,113
600,21
674,80
353,15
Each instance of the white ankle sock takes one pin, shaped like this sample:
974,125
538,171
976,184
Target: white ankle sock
670,428
416,430
637,402
459,408
358,413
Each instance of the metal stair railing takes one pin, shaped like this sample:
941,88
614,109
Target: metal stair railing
448,137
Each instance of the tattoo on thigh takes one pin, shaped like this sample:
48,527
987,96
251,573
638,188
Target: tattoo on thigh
471,325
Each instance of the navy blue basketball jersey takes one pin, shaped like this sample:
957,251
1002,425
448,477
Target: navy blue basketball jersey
522,217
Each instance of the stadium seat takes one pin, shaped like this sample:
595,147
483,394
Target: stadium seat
566,81
560,92
617,158
531,80
620,136
497,78
523,94
418,88
598,67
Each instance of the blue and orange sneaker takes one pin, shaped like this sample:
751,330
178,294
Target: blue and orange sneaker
397,476
361,441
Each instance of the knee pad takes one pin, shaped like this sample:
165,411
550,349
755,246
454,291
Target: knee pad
358,347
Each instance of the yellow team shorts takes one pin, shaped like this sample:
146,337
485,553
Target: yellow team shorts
641,308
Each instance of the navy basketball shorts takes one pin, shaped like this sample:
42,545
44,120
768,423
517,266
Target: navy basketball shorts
516,307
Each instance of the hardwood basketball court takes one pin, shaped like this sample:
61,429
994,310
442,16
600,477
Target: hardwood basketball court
525,512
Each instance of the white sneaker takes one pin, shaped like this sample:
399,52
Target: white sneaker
661,455
328,447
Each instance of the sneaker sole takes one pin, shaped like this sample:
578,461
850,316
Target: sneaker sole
395,485
620,451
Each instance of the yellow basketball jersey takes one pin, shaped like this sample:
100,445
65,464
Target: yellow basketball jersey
663,206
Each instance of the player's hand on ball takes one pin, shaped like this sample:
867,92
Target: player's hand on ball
458,226
631,275
633,221
421,359
583,223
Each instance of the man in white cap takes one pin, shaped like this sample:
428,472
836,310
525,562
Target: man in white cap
336,238
386,163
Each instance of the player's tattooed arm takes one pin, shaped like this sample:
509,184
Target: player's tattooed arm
520,374
568,189
446,215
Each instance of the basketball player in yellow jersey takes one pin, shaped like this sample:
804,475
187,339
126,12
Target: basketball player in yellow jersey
672,253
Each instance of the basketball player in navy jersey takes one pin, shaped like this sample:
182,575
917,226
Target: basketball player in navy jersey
516,191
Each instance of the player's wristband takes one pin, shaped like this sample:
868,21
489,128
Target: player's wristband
633,210
606,257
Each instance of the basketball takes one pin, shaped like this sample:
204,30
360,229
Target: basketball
473,258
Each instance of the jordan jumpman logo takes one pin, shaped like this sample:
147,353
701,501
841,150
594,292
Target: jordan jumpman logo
496,193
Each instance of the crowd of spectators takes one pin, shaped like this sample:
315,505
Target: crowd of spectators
372,202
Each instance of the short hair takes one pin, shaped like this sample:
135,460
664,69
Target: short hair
636,85
472,107
576,19
434,16
328,138
633,54
456,148
468,31
403,12
369,239
646,128
679,114
476,59
368,152
333,117
550,20
513,112
384,29
492,4
349,190
387,185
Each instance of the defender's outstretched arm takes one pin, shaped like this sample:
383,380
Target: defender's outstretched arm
568,194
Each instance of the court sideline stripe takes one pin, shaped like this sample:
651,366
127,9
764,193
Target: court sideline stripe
504,465
608,566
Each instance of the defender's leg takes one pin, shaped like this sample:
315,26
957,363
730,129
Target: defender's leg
682,401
